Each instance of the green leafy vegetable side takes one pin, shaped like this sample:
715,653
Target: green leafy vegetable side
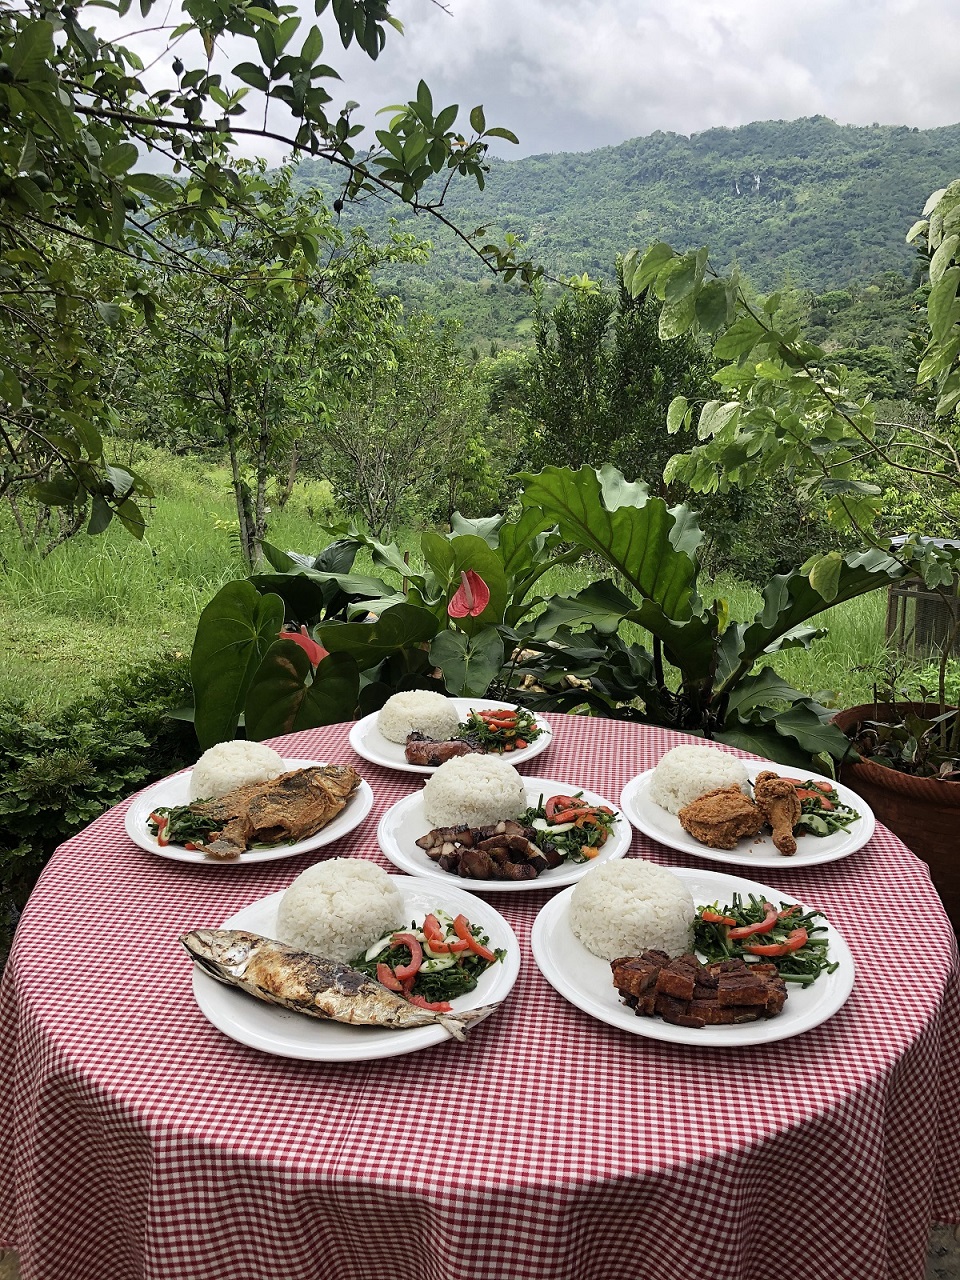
802,966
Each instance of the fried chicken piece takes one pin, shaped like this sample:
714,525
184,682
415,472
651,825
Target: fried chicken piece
779,803
721,817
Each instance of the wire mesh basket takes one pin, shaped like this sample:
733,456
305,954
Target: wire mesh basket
921,622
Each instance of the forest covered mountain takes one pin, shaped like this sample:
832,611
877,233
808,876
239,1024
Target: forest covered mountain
816,202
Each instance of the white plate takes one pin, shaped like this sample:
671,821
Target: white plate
402,826
175,790
367,740
279,1031
586,981
759,851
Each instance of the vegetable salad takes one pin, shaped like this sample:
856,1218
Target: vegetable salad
760,931
432,962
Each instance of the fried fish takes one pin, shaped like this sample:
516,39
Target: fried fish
286,809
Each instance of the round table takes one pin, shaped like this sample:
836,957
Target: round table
139,1142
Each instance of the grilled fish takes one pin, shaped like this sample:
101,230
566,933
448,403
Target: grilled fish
297,980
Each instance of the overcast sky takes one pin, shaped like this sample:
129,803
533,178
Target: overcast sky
571,75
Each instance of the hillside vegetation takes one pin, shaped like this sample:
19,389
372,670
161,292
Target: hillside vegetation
820,202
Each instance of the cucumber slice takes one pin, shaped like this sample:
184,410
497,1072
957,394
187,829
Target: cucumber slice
554,828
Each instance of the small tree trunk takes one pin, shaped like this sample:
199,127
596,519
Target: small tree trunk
293,467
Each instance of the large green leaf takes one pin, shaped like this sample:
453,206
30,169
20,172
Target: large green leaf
789,600
399,627
601,605
280,700
469,663
792,737
766,742
235,630
308,593
636,534
760,690
486,527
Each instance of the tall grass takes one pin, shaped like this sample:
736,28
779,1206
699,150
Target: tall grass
98,603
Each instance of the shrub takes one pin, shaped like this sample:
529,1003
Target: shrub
61,773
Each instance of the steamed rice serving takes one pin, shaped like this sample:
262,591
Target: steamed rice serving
338,908
685,773
474,790
624,908
229,765
420,711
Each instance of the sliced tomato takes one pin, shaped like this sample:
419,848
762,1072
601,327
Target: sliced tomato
556,804
764,926
461,926
437,940
439,1006
405,971
709,916
794,941
387,978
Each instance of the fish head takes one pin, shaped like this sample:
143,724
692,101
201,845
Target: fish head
221,952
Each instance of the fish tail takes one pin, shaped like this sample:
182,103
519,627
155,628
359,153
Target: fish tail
457,1023
452,1025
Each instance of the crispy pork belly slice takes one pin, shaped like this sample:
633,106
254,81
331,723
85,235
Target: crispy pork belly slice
741,988
712,1014
635,975
679,977
677,1012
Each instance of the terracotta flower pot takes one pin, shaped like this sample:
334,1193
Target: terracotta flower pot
923,812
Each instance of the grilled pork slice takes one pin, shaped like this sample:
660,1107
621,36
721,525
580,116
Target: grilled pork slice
500,851
286,809
690,994
422,750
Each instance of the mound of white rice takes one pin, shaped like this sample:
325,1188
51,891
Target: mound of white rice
336,909
684,773
418,710
475,789
229,765
624,908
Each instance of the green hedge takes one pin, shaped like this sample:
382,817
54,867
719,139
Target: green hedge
58,774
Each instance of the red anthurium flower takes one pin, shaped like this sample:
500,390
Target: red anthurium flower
310,647
470,598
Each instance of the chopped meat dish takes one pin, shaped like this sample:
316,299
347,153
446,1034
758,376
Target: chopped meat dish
289,808
502,851
777,800
721,817
422,750
687,993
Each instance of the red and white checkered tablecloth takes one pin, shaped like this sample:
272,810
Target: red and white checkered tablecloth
138,1143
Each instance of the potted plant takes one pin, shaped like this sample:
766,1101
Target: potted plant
905,763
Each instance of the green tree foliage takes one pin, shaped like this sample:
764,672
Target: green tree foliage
405,437
786,407
602,380
79,121
250,360
830,205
